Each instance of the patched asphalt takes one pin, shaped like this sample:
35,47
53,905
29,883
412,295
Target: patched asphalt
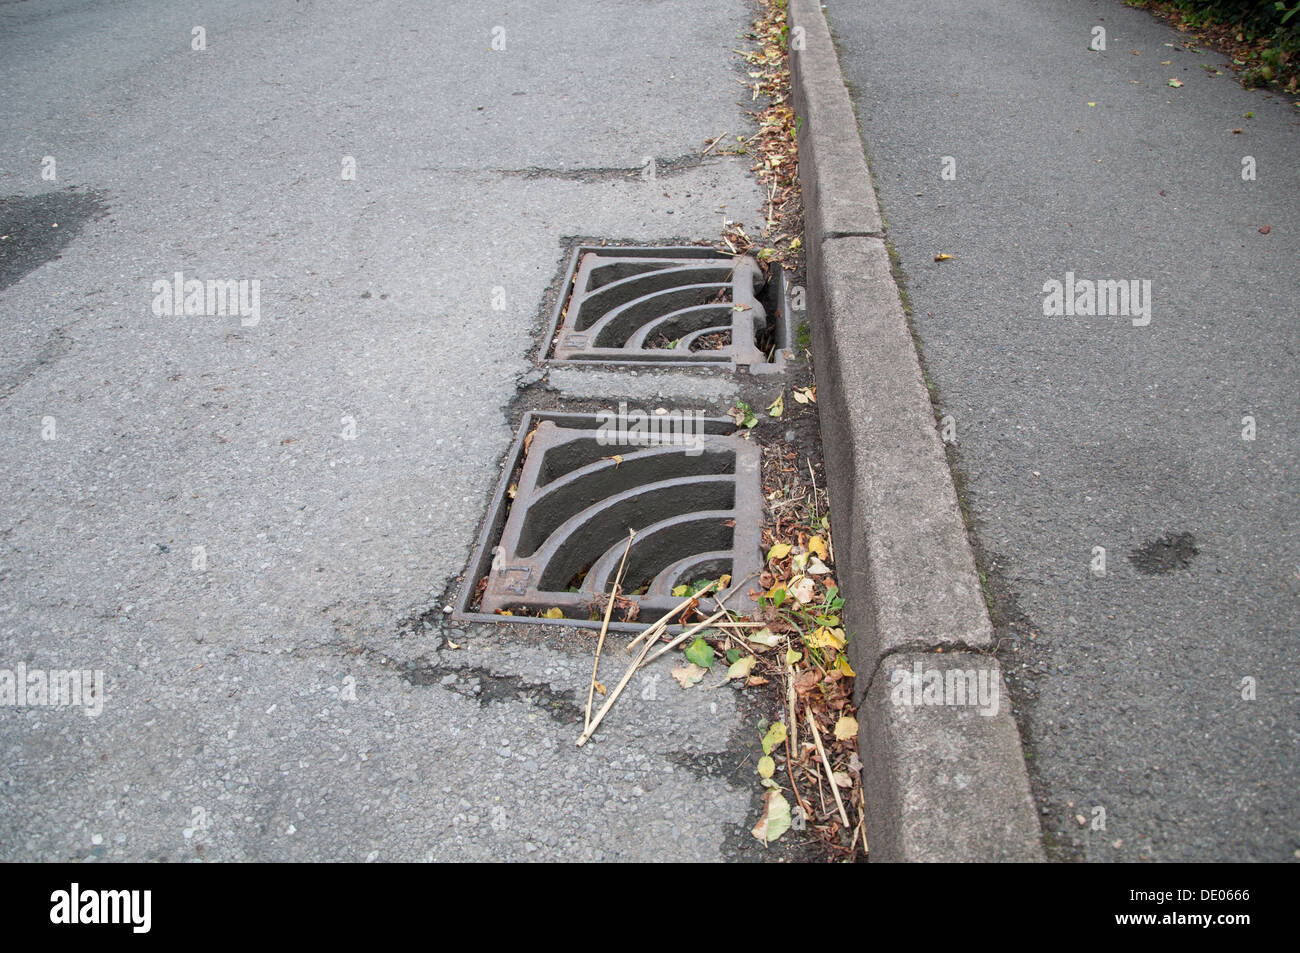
252,528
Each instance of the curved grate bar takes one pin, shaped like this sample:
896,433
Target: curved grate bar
625,300
696,507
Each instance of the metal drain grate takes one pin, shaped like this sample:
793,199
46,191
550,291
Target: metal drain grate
696,506
677,306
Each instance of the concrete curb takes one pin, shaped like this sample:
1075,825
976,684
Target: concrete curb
943,782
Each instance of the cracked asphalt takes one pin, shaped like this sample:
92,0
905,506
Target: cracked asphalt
251,529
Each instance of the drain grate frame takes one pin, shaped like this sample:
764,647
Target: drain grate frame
616,300
674,499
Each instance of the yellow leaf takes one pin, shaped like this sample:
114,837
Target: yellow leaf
775,820
779,551
826,638
817,546
942,257
601,688
805,395
741,667
775,735
843,667
554,612
777,407
846,728
766,767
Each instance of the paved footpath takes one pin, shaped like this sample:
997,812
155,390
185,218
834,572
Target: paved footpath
1075,431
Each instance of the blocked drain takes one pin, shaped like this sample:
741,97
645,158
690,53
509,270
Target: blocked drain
694,500
678,306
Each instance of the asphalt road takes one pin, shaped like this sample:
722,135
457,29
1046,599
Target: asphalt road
1074,432
241,522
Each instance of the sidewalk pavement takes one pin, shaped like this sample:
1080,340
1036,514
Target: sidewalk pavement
1132,485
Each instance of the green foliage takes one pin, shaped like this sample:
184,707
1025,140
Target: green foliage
1257,19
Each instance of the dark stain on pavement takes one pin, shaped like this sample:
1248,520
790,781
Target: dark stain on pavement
1164,555
485,687
35,229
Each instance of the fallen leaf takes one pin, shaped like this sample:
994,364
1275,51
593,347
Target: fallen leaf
842,666
601,688
741,667
779,551
775,820
700,652
824,637
817,546
1266,229
846,728
765,637
817,567
775,735
805,395
741,307
777,407
792,656
806,682
1175,83
803,590
766,767
842,779
756,680
555,612
688,675
942,257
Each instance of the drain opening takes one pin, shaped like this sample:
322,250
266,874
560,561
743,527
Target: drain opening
689,305
567,498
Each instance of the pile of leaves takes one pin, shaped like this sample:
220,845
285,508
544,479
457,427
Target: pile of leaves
774,146
1262,37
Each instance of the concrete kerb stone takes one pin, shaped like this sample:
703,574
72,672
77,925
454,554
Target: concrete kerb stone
903,560
945,779
838,196
907,550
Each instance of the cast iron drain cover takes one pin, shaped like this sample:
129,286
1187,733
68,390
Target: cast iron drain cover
688,306
689,487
